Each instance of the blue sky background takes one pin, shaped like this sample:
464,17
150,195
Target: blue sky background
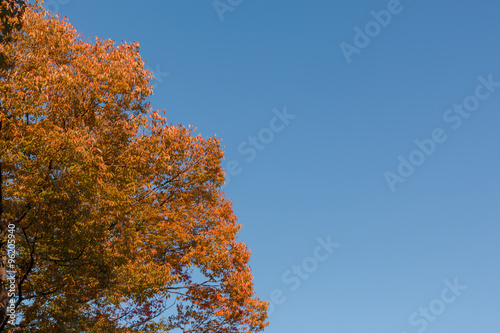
323,174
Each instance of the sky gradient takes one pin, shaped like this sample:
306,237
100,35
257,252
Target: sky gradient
362,142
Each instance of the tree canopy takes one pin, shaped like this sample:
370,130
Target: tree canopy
117,217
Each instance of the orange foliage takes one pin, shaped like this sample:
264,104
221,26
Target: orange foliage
119,215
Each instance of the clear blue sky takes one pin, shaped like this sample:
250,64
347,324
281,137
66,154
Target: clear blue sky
331,167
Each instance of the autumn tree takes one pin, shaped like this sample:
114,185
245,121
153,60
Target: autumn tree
112,219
